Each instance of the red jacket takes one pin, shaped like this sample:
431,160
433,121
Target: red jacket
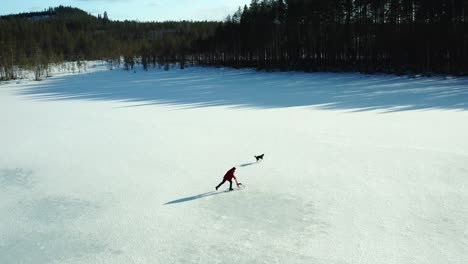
230,174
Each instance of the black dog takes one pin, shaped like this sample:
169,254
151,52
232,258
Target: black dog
259,157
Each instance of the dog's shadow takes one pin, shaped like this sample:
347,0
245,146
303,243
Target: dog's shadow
195,197
248,164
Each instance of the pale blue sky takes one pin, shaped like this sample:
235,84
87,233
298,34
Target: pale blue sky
142,10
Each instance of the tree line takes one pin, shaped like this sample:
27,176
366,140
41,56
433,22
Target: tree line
392,36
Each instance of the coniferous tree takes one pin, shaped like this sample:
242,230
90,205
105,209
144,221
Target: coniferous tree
395,36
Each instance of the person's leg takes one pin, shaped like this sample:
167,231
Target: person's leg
230,185
220,184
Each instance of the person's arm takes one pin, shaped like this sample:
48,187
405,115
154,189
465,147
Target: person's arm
237,183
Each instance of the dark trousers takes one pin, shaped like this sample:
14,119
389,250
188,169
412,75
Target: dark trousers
230,184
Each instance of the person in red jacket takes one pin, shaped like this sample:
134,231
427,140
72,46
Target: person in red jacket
228,177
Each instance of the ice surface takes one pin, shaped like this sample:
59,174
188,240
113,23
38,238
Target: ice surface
120,167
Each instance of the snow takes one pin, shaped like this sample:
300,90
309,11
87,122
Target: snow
120,167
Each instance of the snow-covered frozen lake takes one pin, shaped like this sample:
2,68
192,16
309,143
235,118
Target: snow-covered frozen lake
120,167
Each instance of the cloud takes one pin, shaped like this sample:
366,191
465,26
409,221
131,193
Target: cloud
36,8
154,3
110,1
218,13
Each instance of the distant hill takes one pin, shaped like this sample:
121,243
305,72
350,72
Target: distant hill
62,12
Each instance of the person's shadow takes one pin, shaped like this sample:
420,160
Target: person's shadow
195,197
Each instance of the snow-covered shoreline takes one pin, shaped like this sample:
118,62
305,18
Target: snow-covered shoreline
57,69
357,168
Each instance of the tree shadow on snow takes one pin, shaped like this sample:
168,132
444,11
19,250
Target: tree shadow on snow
195,197
197,87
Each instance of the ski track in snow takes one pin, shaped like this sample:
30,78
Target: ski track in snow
120,167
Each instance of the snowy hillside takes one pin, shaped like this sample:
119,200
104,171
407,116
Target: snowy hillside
120,167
